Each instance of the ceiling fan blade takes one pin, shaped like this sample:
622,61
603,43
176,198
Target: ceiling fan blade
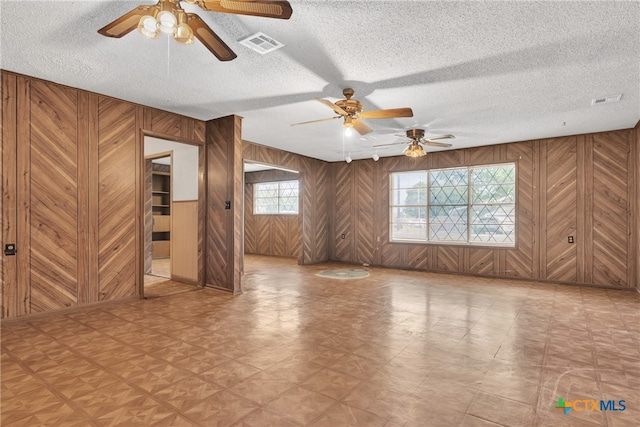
436,144
126,23
386,114
331,105
264,8
388,145
362,128
435,138
316,121
210,39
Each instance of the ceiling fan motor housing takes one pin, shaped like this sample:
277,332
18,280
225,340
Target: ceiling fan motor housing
415,134
351,106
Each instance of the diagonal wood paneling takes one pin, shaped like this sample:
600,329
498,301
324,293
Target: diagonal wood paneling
249,221
166,123
148,216
519,261
389,253
54,193
343,211
224,226
117,198
560,214
481,261
321,209
364,230
448,258
610,208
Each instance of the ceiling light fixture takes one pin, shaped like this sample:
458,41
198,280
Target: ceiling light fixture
167,17
414,150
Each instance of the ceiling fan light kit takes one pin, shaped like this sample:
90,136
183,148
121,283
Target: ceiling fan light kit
414,150
167,16
351,110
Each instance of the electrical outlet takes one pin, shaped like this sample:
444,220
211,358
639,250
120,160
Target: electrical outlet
344,236
570,239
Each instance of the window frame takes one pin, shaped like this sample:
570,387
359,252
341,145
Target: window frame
278,197
469,206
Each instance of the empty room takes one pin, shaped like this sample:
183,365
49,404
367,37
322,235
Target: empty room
320,213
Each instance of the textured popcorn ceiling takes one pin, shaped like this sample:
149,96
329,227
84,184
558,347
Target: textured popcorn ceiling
487,72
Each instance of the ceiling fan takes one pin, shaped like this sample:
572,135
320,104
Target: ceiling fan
417,140
167,16
351,111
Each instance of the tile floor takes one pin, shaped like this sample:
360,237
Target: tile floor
397,348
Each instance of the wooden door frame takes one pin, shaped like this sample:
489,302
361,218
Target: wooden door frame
202,202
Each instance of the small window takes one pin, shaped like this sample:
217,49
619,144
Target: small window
272,198
466,205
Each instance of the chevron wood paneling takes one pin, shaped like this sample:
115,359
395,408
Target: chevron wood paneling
117,199
560,217
610,208
309,233
54,197
634,253
278,235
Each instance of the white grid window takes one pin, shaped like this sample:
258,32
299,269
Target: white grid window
272,198
468,205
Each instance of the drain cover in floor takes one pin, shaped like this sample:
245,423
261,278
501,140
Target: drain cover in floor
344,273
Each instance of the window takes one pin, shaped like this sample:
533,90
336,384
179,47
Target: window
468,205
275,198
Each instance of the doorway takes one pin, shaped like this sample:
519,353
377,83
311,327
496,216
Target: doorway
172,216
272,211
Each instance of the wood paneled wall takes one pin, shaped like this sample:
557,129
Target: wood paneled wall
184,241
279,235
224,184
72,183
582,186
314,194
635,188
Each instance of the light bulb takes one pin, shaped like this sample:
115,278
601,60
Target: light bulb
148,27
375,157
167,22
348,131
184,33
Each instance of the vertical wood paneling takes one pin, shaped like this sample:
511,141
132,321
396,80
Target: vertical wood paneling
94,203
610,207
560,212
184,240
10,298
23,189
82,141
635,198
249,221
117,199
321,207
54,197
202,213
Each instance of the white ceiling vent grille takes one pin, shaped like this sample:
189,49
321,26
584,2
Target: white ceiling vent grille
606,99
261,43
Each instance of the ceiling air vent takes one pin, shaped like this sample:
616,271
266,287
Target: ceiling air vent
606,99
261,43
